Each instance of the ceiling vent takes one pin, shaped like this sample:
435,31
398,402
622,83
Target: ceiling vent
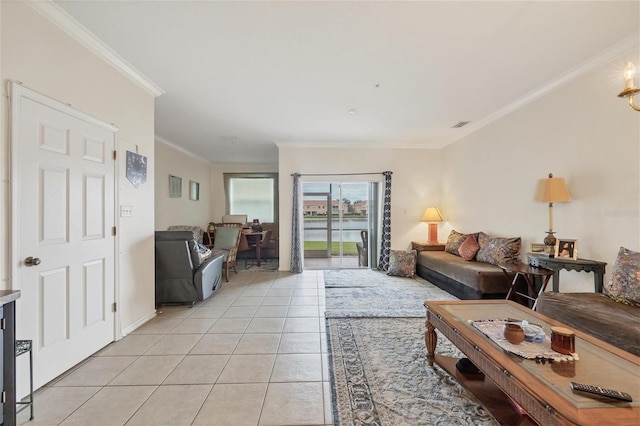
460,124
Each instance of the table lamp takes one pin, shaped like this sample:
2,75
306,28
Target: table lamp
432,215
554,190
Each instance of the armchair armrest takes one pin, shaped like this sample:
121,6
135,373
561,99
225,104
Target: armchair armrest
208,277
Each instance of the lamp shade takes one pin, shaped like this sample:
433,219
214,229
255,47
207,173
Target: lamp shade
554,190
432,214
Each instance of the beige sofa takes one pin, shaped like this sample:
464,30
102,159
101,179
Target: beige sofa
461,278
614,316
596,314
466,266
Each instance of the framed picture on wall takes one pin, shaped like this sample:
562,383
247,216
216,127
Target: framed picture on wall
567,248
194,190
136,169
175,186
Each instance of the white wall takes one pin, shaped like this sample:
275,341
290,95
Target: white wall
171,160
581,132
415,185
45,59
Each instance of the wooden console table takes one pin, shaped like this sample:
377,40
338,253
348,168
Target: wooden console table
558,263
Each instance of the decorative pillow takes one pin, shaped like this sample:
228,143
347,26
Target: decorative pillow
402,263
454,241
496,250
469,248
624,284
204,252
193,251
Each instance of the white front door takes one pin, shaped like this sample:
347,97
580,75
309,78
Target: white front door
63,214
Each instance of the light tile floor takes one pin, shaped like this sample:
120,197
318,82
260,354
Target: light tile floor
253,354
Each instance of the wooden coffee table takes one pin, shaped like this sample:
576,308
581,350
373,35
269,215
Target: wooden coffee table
542,390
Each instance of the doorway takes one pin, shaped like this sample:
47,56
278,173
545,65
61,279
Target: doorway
64,215
336,216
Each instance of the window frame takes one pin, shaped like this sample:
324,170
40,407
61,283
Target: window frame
252,175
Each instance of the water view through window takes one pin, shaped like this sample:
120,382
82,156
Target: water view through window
335,214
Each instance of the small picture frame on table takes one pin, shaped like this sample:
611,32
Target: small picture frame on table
566,248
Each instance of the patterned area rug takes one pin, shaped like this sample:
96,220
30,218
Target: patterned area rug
369,293
377,356
269,266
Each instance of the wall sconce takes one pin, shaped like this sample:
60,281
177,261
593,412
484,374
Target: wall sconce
552,190
432,215
629,89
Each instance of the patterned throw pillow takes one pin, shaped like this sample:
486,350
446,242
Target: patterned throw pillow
496,250
469,248
454,242
194,252
402,263
204,252
199,253
624,284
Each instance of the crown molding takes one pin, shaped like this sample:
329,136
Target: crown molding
81,34
184,151
618,49
356,145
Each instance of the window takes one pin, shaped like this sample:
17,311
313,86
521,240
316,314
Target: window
253,194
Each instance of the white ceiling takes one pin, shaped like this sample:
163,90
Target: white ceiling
240,77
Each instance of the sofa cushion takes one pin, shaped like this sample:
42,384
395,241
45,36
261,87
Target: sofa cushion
595,314
454,241
496,250
483,278
402,263
624,284
469,248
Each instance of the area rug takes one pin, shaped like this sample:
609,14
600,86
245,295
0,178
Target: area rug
369,293
380,376
270,266
377,357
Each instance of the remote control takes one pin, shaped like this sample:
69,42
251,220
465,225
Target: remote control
597,390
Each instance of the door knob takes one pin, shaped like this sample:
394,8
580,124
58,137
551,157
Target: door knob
31,261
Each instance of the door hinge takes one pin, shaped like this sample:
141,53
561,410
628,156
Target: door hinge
114,307
3,323
4,397
114,154
113,231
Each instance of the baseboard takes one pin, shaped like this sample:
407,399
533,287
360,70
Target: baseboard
139,323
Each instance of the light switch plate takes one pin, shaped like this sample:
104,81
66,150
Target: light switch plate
126,211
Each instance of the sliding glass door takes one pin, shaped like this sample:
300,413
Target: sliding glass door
337,224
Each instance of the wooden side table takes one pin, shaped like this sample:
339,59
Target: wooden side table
425,246
558,263
530,274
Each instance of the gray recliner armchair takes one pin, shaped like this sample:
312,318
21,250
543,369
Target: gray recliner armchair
179,277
